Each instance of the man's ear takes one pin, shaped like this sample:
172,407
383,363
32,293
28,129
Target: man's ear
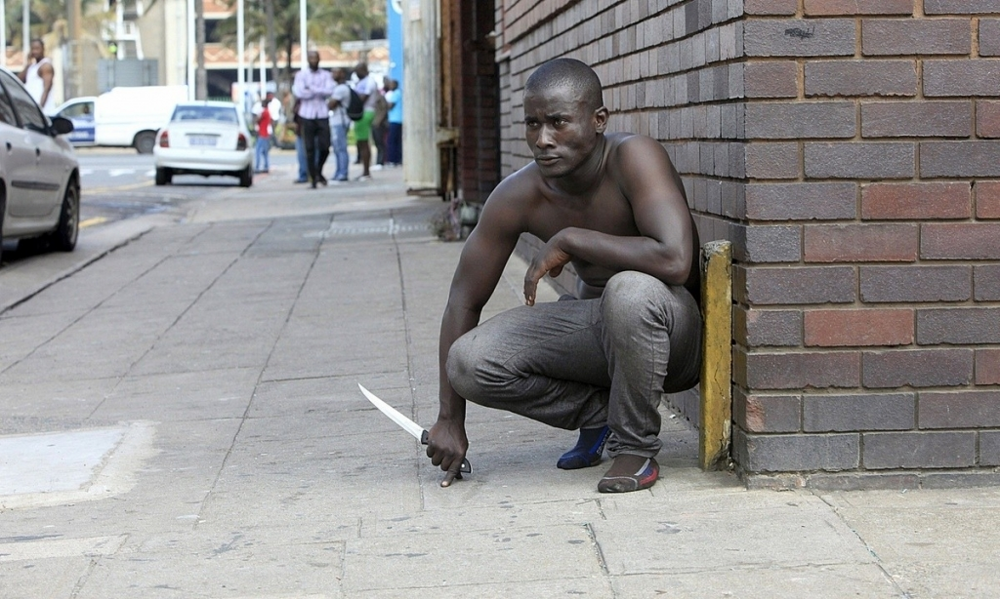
601,119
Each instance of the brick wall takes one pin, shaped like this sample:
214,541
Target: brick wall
851,151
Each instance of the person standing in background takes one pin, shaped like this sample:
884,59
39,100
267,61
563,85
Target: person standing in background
263,117
313,87
394,143
38,76
368,90
380,127
340,123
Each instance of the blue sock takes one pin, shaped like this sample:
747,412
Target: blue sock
587,451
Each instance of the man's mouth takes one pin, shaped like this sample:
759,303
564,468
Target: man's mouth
546,159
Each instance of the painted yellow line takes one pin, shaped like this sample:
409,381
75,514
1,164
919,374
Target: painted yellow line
90,222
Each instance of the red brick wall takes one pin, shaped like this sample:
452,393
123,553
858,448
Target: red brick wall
851,151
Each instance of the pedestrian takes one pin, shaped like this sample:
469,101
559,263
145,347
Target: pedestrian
380,129
313,87
340,124
394,142
38,76
300,146
613,205
264,124
367,89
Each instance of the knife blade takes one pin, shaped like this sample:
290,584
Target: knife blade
419,433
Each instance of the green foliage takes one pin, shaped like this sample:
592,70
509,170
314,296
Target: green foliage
329,23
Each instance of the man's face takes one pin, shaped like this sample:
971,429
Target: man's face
37,51
340,75
560,129
313,58
361,70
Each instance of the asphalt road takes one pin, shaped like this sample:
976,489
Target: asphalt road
117,184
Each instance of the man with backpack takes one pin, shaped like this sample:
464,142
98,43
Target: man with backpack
340,122
367,90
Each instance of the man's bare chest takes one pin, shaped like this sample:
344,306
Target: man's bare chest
604,210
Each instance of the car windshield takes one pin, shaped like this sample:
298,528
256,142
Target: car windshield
222,114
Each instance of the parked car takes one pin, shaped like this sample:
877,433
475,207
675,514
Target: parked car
204,138
39,174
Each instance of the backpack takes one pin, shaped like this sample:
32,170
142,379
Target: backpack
356,107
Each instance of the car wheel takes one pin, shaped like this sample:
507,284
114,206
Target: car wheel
163,176
246,177
66,233
144,142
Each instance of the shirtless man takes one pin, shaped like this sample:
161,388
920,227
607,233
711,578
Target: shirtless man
613,206
37,77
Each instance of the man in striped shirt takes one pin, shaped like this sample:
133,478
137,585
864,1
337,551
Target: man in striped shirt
313,87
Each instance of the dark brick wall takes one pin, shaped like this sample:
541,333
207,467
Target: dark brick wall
851,151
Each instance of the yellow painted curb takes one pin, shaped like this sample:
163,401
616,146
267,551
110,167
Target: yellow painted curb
717,354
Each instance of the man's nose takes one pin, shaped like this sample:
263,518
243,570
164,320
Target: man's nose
545,139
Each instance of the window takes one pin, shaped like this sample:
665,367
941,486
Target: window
31,116
78,110
223,114
6,110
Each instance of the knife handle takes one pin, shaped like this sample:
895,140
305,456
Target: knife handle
466,467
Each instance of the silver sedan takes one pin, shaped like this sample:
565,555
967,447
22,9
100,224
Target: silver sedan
39,173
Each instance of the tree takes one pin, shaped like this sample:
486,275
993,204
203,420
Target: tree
330,22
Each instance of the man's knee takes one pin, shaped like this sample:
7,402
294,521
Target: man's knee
631,295
461,367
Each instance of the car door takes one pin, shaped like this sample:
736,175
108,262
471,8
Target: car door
81,112
47,172
17,161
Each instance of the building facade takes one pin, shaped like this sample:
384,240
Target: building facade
851,152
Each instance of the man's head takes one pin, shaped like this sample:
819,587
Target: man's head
340,74
37,49
564,115
361,70
268,96
313,58
391,84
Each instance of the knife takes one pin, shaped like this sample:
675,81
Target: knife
418,432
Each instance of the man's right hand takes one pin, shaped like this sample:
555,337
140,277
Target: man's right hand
447,444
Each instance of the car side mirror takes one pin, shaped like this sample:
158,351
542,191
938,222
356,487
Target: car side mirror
61,125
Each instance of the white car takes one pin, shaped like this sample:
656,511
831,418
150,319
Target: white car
39,174
204,138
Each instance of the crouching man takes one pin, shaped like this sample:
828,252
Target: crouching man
611,204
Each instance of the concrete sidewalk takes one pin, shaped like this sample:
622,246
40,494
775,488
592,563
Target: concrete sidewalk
181,418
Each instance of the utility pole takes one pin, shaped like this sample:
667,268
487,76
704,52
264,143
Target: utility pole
71,85
201,76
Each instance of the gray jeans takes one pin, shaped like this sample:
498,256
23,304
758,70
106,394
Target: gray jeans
584,363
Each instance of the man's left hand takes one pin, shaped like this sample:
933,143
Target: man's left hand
550,260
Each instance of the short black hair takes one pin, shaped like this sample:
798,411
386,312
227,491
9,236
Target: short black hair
572,73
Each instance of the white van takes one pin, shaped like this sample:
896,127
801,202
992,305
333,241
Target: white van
123,117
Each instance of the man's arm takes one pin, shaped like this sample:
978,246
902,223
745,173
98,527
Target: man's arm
479,269
663,248
47,73
300,88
